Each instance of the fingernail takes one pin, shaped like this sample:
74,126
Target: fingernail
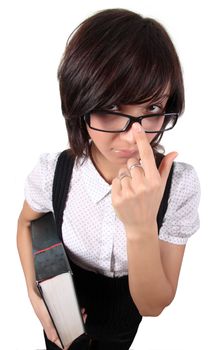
137,127
175,156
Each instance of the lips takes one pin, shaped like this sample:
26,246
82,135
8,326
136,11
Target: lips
125,152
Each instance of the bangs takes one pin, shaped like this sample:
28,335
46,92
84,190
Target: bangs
138,86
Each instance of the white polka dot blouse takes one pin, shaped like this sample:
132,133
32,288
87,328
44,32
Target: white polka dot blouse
94,237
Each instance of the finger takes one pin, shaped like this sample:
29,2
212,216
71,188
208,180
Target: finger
165,166
53,337
145,151
84,318
118,186
134,167
84,315
124,177
58,343
136,170
116,191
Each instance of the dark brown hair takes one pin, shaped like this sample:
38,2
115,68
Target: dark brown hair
116,57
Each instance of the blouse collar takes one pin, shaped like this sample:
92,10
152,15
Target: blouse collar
95,184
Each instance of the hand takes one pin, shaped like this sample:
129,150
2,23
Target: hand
84,315
136,198
43,315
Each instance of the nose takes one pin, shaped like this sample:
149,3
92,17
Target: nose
128,136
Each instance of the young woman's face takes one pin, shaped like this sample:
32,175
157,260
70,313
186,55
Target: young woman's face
115,149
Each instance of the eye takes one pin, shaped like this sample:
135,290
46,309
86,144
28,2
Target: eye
155,109
113,108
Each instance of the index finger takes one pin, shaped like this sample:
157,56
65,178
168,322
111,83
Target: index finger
145,151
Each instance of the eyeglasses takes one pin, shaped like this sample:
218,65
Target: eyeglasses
109,121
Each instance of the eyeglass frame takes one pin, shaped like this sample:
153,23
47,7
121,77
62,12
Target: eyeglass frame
132,120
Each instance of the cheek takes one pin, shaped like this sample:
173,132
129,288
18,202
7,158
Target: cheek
95,135
150,137
100,139
90,132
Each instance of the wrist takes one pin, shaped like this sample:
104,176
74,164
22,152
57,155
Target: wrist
33,293
141,232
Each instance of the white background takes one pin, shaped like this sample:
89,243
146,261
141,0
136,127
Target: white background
32,39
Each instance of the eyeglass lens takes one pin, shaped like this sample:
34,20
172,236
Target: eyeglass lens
111,122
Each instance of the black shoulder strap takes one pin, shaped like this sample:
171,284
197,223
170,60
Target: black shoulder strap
165,199
62,177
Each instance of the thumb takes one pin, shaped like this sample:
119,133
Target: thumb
165,166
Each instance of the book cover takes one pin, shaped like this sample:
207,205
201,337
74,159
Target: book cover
54,280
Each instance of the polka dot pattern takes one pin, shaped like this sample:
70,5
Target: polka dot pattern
94,237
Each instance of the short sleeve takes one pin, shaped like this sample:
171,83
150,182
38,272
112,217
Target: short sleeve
38,184
181,219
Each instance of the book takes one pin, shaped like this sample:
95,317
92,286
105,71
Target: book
54,280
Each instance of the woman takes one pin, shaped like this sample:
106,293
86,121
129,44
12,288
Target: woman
129,210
